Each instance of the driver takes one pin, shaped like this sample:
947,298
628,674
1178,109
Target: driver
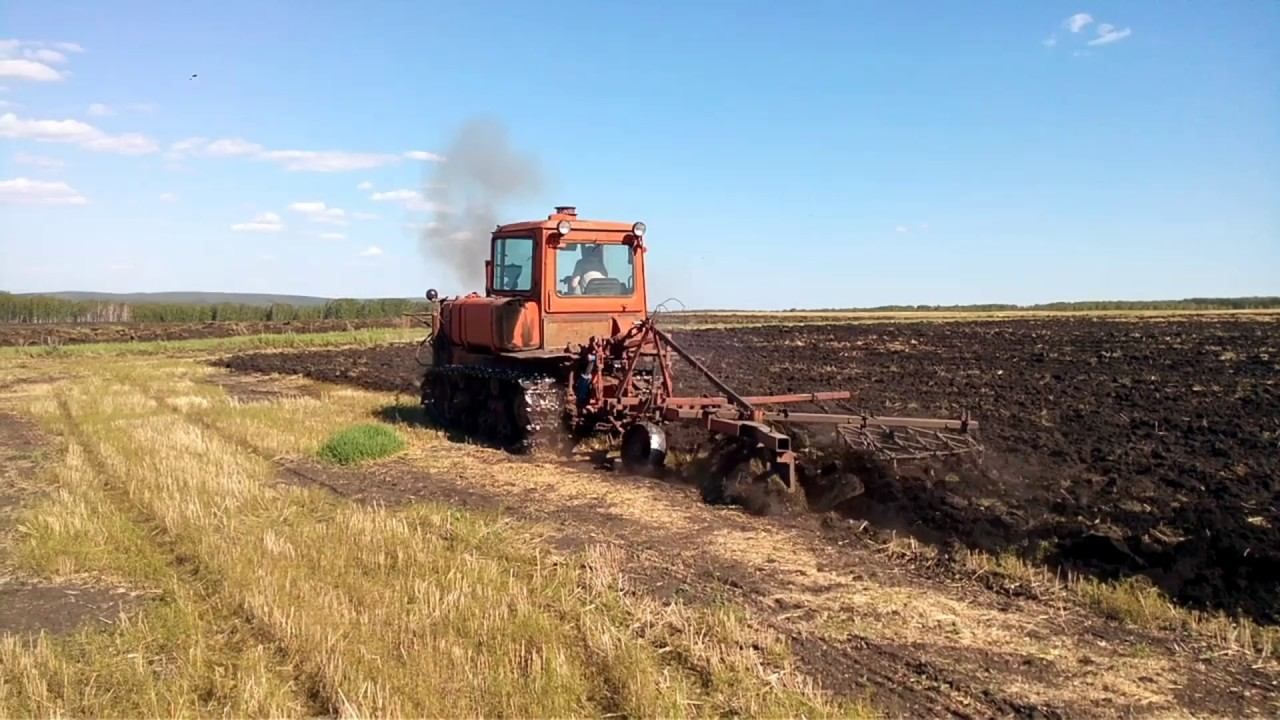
589,267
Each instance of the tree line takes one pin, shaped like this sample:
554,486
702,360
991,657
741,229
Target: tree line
47,309
1237,303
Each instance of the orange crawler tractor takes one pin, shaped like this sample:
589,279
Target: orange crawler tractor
562,340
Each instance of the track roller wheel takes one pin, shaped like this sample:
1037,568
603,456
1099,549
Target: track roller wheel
644,448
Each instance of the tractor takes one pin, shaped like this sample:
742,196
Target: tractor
562,345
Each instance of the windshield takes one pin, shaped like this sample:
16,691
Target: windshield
513,264
595,269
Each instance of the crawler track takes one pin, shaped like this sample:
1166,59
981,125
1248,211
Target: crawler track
522,412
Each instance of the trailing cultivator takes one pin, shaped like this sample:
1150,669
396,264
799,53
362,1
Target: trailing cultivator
624,386
544,351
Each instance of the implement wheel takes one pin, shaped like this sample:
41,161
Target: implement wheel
644,448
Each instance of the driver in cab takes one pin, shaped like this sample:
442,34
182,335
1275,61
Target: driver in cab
589,267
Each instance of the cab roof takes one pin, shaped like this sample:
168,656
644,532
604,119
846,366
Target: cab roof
570,214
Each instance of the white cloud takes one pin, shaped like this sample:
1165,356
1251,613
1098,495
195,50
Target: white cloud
24,191
327,160
33,59
39,161
100,110
127,144
316,211
294,160
1076,22
371,251
410,199
44,55
424,155
168,197
332,236
366,185
364,216
903,229
231,147
1108,34
142,107
262,222
19,69
76,132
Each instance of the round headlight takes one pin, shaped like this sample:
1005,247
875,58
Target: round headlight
638,229
563,227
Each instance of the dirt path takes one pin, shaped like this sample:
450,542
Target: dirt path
28,607
925,640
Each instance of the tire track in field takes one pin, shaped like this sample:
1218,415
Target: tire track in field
198,577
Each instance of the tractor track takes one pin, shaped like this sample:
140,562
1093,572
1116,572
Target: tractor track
320,701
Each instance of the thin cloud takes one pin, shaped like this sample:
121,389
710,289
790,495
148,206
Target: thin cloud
100,110
1108,34
902,229
327,160
409,199
371,251
267,222
38,161
168,197
25,191
424,155
364,216
1077,22
230,147
332,236
316,211
295,160
77,133
366,185
1050,41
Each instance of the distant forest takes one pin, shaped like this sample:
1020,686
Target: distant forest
49,309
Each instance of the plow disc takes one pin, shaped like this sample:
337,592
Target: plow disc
626,387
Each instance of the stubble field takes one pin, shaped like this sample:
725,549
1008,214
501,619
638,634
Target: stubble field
202,560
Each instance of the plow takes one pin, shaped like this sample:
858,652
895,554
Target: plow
543,356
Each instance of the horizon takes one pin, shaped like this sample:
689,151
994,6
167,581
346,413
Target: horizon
828,156
1220,299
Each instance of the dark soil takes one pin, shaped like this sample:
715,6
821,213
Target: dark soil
1113,448
32,609
27,334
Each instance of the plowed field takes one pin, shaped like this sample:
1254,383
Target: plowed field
75,333
1112,447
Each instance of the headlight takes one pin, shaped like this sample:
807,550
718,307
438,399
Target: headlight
638,229
563,227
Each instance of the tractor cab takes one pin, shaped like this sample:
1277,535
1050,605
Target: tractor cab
551,284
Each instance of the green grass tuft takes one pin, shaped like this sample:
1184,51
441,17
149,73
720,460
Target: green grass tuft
359,443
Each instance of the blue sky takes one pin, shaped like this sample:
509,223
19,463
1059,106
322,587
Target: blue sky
809,154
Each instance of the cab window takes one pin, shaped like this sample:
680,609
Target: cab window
513,264
595,269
